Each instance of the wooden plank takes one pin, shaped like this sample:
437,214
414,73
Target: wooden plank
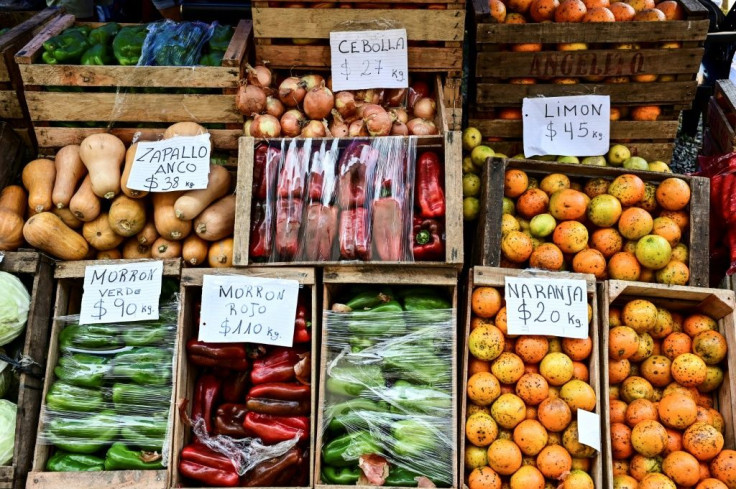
10,157
118,479
720,129
32,50
243,198
56,137
726,94
23,26
421,25
486,250
9,105
453,198
619,129
601,62
75,269
648,151
192,277
237,50
698,245
394,275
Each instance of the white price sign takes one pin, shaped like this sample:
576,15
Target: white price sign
569,126
369,59
237,309
170,165
121,293
547,307
589,429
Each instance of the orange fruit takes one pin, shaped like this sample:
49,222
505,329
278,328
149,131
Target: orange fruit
476,366
483,388
577,349
595,187
621,441
697,323
557,368
481,429
527,477
640,315
668,229
515,182
674,441
710,346
656,481
641,466
570,236
529,47
486,301
664,325
508,410
674,273
723,468
530,436
486,342
554,414
531,349
623,481
636,387
590,261
554,462
713,380
649,438
711,483
617,411
477,322
547,256
554,182
703,441
676,344
542,10
677,410
646,347
568,204
512,113
484,478
688,370
640,410
578,395
618,370
504,457
620,467
571,442
671,9
570,11
604,210
607,240
498,10
673,194
599,14
656,369
645,112
508,368
680,217
622,12
635,223
578,479
650,15
682,468
520,6
532,202
628,189
501,320
623,342
580,371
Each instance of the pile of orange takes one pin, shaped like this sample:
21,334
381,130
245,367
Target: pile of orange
622,229
523,394
663,368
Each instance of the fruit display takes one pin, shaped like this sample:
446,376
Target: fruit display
666,361
522,395
305,106
388,389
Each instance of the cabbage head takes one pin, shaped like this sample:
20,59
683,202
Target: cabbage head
14,304
8,411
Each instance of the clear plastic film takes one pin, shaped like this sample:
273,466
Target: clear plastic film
112,390
290,192
170,43
389,394
722,173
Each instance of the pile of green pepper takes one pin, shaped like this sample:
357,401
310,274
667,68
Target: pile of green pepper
108,408
388,389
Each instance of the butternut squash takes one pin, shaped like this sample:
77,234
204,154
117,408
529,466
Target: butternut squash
164,248
167,225
184,129
69,171
217,221
85,205
194,251
103,154
12,206
129,158
193,202
148,234
113,254
221,254
38,178
68,217
100,234
47,232
132,249
127,216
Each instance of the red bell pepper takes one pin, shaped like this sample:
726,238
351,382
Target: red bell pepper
229,420
224,355
293,172
302,326
235,385
428,190
277,366
199,463
285,391
427,238
288,225
265,165
355,170
320,228
388,228
355,240
261,234
277,471
280,399
206,393
274,429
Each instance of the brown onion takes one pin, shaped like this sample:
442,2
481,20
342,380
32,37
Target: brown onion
400,115
366,110
246,127
250,100
274,107
259,76
425,108
338,128
417,90
314,129
357,128
311,81
378,123
345,104
399,129
421,127
371,96
291,91
395,97
318,102
265,126
292,122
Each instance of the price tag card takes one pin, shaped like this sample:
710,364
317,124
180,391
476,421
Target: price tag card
547,307
589,429
170,165
569,126
121,293
237,309
369,59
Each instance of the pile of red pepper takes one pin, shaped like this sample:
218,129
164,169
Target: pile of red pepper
252,391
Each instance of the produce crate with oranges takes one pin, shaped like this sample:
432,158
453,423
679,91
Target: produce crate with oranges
611,222
722,117
521,395
665,353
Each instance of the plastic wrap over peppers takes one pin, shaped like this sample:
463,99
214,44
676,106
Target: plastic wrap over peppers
365,200
109,406
388,407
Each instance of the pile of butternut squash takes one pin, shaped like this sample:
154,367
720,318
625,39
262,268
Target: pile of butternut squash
79,207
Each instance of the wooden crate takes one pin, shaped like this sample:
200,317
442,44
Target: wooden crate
717,303
11,156
488,245
336,278
435,35
191,285
70,277
495,277
36,273
451,142
722,116
107,100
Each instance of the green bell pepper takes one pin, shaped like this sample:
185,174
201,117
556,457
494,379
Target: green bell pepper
212,59
67,47
83,435
101,337
400,477
67,397
98,54
104,34
353,415
414,362
344,451
358,344
145,334
406,397
145,432
145,365
146,398
353,380
220,39
120,457
344,476
367,300
62,461
413,438
82,370
128,44
426,302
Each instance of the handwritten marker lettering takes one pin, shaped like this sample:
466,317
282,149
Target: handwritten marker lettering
369,59
179,163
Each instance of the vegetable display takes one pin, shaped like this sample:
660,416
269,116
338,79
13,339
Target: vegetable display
388,389
15,302
250,412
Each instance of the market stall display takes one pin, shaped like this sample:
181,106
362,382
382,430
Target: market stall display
721,132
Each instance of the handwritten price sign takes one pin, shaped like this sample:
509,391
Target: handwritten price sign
238,309
170,165
369,59
569,126
121,293
547,307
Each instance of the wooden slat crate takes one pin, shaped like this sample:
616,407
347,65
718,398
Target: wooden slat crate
435,34
722,116
650,151
450,143
70,277
191,289
36,273
335,279
495,277
109,104
717,303
487,251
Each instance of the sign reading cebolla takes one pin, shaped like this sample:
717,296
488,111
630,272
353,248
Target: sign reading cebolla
547,307
369,59
169,165
238,309
121,293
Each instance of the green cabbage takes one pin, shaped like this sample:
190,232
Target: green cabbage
8,412
14,305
